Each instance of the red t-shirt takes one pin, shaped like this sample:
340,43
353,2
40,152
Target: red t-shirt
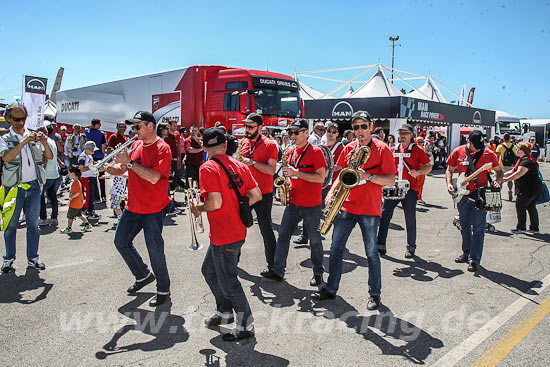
459,159
336,156
116,139
225,223
305,193
366,198
418,158
263,151
143,196
173,141
193,158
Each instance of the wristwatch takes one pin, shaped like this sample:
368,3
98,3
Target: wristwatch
371,178
253,162
130,164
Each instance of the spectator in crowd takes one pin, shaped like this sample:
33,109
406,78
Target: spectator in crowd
162,130
117,139
317,135
528,189
379,133
535,148
89,182
507,157
22,152
195,154
74,144
391,141
76,202
98,137
50,187
348,137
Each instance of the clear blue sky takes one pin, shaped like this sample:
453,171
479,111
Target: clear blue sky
499,47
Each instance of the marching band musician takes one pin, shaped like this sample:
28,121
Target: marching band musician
336,147
473,220
306,170
148,167
227,232
260,155
414,157
363,206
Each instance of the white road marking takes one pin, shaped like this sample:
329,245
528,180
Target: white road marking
461,350
69,264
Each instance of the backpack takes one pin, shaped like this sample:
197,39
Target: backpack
509,158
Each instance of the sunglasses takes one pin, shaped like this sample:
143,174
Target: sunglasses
295,132
404,133
138,127
19,119
332,131
320,128
251,126
362,126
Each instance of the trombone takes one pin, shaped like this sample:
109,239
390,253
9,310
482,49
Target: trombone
193,194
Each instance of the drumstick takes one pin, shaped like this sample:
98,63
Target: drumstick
406,165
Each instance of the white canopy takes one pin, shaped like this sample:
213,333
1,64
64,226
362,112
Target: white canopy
308,93
349,92
50,108
428,91
377,86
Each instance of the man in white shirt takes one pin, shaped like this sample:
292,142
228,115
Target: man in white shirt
318,132
23,152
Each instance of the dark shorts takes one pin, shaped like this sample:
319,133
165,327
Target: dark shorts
74,213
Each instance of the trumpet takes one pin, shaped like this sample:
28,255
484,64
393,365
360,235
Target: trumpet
109,157
193,194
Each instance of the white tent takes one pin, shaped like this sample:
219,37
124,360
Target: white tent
377,86
308,93
349,92
428,91
50,108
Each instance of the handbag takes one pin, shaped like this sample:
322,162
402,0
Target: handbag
245,211
544,196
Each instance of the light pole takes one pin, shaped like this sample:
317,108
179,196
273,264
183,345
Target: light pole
393,39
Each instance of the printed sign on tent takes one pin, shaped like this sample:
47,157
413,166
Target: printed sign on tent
34,98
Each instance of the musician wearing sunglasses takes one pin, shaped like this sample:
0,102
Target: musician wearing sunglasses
362,206
473,219
148,167
260,154
306,170
413,157
23,152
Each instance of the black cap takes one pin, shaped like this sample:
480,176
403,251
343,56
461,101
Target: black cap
363,115
298,124
213,137
476,138
142,116
254,117
407,127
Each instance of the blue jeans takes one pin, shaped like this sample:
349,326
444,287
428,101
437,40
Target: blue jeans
220,271
409,208
472,228
129,226
50,190
291,217
343,225
29,201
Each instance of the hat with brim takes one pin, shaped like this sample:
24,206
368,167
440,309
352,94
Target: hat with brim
213,136
253,118
476,138
91,146
298,124
142,116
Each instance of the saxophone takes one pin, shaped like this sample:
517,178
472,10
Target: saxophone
347,180
239,151
283,183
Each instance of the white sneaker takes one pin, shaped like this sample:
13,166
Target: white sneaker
7,266
36,263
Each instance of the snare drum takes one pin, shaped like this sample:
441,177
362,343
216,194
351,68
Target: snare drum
396,192
493,201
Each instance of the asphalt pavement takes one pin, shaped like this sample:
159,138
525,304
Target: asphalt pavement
77,312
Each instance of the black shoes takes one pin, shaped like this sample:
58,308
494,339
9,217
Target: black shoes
138,285
461,259
217,320
316,281
382,252
159,299
236,335
301,240
473,267
323,295
270,274
374,303
409,254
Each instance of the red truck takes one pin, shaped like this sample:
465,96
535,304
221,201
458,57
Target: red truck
197,95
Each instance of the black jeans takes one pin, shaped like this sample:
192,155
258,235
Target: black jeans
524,204
220,271
263,212
192,171
50,190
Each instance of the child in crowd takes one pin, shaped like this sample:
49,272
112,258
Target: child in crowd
76,202
118,193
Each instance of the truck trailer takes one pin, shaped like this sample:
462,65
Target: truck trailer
197,95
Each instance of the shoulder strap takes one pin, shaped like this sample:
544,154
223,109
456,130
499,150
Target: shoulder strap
231,182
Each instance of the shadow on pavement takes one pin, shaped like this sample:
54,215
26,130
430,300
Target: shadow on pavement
418,268
508,281
13,287
349,264
166,329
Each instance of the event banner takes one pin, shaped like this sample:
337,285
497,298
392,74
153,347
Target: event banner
34,98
